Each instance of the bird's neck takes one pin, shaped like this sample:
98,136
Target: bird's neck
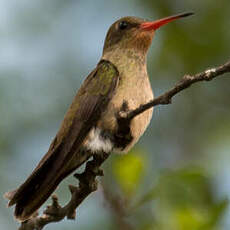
127,60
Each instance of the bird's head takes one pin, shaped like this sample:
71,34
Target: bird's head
135,33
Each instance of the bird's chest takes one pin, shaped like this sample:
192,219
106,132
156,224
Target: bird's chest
129,94
132,94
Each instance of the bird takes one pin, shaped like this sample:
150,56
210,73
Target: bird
119,82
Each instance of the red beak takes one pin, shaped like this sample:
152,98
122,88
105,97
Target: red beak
158,23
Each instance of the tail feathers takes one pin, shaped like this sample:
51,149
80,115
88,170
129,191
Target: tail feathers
31,197
34,193
31,201
41,184
9,195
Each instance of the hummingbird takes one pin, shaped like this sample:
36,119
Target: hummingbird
119,82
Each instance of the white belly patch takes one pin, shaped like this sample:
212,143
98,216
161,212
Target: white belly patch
97,143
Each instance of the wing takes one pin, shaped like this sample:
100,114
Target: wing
84,112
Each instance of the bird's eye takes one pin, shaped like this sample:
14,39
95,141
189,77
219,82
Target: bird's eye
123,25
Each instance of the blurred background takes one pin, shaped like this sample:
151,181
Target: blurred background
178,175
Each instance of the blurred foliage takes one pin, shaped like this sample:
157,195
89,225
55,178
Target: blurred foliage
181,199
128,171
186,198
47,49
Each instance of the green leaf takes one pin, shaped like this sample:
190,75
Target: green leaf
128,171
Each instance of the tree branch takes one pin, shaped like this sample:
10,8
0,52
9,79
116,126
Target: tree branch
87,179
118,209
185,82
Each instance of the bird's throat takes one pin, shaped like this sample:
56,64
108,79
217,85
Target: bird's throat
126,59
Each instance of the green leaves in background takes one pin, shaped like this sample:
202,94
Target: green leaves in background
185,200
129,170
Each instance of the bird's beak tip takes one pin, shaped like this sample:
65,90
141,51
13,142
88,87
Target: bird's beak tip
154,25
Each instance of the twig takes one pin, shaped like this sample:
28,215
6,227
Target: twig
87,180
185,82
118,209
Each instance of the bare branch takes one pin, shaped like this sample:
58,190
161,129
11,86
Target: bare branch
185,82
87,179
118,209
